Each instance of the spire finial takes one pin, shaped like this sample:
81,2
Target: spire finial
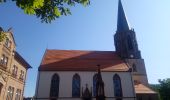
122,23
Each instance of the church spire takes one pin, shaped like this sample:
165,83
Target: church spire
125,39
122,23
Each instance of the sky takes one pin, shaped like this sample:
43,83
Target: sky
92,28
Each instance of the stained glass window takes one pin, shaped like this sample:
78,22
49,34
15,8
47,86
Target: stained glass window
117,87
94,84
76,86
54,90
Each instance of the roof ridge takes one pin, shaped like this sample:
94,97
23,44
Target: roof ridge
79,50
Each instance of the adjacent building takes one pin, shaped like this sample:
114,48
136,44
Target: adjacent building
96,75
13,69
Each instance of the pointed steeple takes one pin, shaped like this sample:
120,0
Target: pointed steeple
125,38
122,23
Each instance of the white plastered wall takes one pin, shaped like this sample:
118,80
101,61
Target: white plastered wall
65,88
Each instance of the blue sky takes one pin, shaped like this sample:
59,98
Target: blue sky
92,28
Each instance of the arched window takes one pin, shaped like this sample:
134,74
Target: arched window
134,68
54,90
130,45
117,87
76,86
94,84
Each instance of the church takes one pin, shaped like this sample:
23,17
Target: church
96,75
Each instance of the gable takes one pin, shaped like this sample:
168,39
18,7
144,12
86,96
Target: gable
11,37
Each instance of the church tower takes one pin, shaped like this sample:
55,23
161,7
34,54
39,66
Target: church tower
127,47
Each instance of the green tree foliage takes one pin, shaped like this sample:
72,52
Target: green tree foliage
47,10
156,88
2,36
164,89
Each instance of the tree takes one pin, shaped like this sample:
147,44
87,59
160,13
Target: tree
2,35
164,89
47,10
155,87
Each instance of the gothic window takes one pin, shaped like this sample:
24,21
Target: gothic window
117,87
94,84
76,86
10,93
130,45
54,90
134,68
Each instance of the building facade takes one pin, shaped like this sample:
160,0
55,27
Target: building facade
71,74
13,69
66,65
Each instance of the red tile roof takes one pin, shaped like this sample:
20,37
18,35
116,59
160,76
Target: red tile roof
78,60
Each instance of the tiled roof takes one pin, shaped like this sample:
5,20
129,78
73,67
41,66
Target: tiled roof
142,89
78,60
